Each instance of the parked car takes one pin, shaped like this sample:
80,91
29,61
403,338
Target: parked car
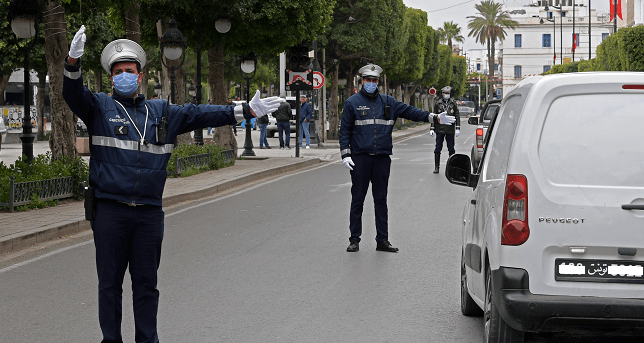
3,131
551,233
271,129
466,108
482,121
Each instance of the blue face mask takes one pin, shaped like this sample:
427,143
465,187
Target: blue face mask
370,87
126,83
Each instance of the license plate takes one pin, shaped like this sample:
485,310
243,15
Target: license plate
599,271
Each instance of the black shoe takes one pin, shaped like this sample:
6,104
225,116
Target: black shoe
437,162
353,246
386,246
436,170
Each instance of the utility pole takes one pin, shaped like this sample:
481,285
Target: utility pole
590,41
573,30
615,15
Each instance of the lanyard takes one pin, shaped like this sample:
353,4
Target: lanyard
145,128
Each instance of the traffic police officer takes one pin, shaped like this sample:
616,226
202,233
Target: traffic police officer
365,144
445,132
131,142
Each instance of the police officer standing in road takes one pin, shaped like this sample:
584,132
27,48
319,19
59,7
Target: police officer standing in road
445,132
131,141
368,120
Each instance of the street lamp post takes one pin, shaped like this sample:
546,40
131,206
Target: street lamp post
23,15
247,66
554,35
560,30
172,44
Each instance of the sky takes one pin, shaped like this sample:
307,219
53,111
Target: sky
440,11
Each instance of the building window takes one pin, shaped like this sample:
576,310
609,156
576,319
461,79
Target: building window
545,41
517,41
546,69
549,15
496,66
517,72
605,35
563,14
478,66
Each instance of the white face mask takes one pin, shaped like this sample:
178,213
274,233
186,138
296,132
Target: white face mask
446,96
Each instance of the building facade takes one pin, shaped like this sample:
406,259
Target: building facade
545,38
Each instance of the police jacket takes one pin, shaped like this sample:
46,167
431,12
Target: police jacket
305,112
283,113
364,127
121,166
451,108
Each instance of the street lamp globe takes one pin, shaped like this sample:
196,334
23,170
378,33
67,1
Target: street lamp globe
24,26
222,25
192,91
172,42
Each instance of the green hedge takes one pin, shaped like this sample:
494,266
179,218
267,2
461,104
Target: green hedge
217,160
42,167
622,51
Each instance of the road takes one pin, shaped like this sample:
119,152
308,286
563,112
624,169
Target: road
268,264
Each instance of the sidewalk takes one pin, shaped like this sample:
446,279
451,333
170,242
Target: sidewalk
19,230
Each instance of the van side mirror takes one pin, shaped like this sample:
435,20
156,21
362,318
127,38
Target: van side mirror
458,171
473,120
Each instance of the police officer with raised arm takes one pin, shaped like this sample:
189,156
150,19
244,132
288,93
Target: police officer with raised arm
445,132
131,141
368,120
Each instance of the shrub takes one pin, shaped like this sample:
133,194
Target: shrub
217,160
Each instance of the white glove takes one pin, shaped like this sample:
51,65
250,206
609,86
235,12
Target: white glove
77,48
444,119
458,132
348,162
262,107
431,133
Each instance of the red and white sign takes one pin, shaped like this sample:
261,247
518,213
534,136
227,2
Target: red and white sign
318,80
432,91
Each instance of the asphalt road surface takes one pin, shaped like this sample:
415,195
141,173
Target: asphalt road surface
268,264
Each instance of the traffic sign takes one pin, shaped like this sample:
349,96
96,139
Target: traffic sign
299,80
318,80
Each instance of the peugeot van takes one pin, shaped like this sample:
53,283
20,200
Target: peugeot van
553,231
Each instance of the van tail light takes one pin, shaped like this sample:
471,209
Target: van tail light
479,138
515,211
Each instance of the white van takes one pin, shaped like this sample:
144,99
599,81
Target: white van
553,231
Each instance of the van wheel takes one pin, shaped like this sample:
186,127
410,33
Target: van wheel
270,134
468,306
496,330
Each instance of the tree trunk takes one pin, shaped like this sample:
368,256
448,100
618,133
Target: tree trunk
334,116
4,81
62,141
42,81
98,80
180,98
132,27
219,94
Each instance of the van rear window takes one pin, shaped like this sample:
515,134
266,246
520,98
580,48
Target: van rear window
594,140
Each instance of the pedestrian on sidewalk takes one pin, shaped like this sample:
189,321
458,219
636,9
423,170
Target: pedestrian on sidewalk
305,119
263,122
131,140
445,132
282,116
365,145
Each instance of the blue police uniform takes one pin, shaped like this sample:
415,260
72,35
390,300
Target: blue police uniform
365,136
128,172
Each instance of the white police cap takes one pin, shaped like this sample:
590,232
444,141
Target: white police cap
122,50
446,89
370,70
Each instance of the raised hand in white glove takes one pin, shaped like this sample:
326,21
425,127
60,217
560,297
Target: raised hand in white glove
444,119
348,162
431,133
262,107
458,132
77,48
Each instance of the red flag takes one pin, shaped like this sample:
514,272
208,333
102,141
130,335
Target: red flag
612,9
554,59
574,42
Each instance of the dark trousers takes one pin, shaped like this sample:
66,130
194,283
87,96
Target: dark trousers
284,127
374,169
125,235
439,143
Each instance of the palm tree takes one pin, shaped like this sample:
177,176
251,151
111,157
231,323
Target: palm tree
450,31
488,27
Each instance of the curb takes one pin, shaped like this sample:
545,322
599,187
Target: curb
78,224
